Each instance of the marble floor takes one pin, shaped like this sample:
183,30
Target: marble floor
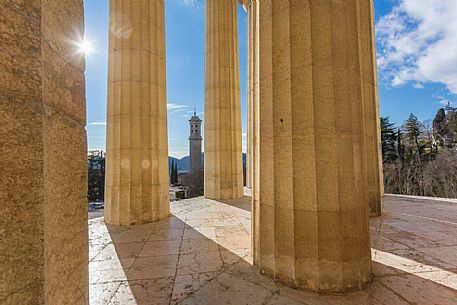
201,255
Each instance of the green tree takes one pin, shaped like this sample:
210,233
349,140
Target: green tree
413,131
174,172
96,176
451,121
440,128
388,141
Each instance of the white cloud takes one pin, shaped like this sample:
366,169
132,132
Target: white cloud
191,3
97,123
418,41
446,102
178,154
176,107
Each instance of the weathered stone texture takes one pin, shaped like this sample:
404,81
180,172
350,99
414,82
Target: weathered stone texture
223,151
372,128
311,215
137,176
43,195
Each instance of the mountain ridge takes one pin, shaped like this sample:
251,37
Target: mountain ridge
184,162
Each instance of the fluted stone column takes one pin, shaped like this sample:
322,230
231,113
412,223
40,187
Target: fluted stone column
223,143
372,122
252,85
43,154
311,214
137,149
252,8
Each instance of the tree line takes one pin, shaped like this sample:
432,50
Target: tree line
96,176
420,158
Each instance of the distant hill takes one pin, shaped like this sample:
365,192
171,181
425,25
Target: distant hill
183,163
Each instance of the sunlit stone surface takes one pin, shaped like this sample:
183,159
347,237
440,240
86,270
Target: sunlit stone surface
202,255
223,145
136,132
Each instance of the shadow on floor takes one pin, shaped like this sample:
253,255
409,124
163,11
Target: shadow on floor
201,255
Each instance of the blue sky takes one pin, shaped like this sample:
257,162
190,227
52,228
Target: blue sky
412,77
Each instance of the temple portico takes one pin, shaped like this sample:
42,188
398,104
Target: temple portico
313,154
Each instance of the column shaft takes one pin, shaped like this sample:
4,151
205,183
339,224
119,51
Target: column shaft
311,211
137,142
252,85
43,154
372,132
223,143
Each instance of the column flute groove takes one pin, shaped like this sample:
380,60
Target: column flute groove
137,148
223,155
310,222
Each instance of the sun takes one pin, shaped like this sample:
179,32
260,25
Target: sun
85,47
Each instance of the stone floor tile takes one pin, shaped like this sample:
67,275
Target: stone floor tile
166,234
199,232
209,260
420,291
144,292
305,296
198,246
228,290
107,276
246,271
235,242
445,255
128,250
230,257
171,222
230,231
153,267
381,295
198,214
135,234
225,221
380,270
425,258
222,214
163,247
197,223
95,249
282,300
111,264
101,294
186,285
199,263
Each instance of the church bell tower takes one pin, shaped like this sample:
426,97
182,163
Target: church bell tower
195,153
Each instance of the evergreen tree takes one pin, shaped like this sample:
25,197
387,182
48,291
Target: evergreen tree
440,129
413,132
451,121
174,172
388,141
171,171
400,146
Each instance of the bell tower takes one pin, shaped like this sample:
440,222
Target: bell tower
195,154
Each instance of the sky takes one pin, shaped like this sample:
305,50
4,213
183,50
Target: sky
416,55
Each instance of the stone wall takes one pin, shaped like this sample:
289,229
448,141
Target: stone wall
43,186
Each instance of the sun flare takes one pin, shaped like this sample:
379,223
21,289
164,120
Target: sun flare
85,47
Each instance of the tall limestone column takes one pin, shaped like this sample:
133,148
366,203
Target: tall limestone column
372,128
252,85
223,151
311,216
43,154
137,149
